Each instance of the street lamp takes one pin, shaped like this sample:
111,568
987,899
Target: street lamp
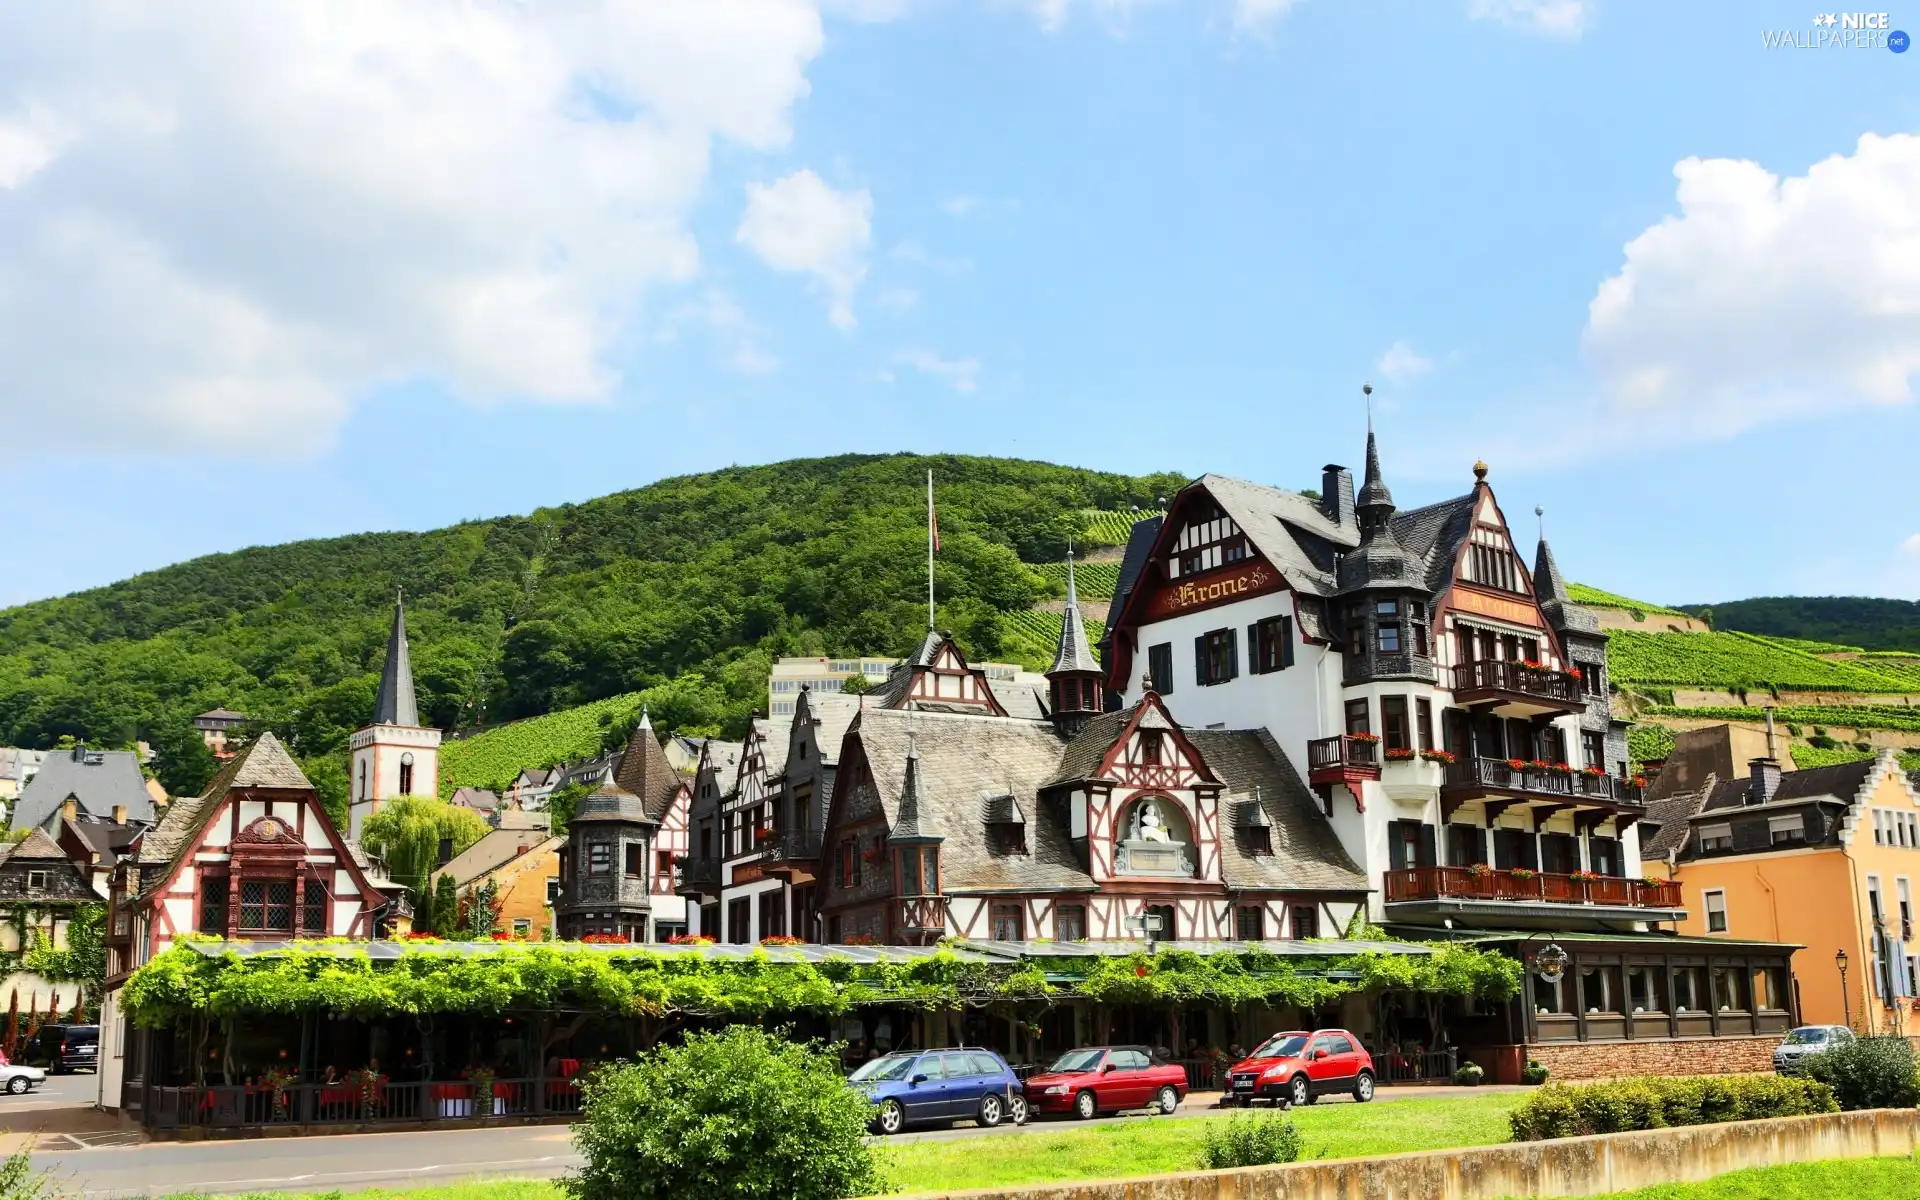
1846,1000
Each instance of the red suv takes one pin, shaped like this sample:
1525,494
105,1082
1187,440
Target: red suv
1297,1067
1097,1079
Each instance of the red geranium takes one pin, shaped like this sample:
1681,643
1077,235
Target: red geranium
607,939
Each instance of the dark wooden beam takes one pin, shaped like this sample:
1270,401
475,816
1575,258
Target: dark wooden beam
1494,808
1546,812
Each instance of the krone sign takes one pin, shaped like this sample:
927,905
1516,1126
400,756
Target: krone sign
1205,591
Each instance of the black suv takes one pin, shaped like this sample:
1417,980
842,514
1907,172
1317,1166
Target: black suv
63,1048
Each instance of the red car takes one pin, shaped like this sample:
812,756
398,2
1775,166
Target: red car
1097,1079
1298,1067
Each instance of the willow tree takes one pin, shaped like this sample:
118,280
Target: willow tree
407,832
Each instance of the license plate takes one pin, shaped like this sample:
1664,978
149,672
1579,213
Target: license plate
1242,1085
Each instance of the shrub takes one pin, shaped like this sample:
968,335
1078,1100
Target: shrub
1249,1140
1533,1073
1564,1110
741,1113
1868,1073
1469,1075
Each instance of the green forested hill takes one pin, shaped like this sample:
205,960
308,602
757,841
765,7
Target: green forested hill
703,577
1868,622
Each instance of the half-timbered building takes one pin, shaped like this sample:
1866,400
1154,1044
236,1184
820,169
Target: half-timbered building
619,867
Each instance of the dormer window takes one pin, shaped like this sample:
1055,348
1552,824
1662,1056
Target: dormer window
1210,539
36,881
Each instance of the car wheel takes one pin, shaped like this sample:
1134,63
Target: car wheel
1167,1101
992,1110
1300,1092
1017,1109
16,1085
891,1118
1363,1087
1085,1107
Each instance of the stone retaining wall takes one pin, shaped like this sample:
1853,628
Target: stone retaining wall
1589,1166
1569,1061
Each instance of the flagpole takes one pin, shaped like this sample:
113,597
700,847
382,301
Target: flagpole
930,520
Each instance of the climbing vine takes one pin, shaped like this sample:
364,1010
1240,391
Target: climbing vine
311,977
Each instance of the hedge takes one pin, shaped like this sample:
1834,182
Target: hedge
1656,1102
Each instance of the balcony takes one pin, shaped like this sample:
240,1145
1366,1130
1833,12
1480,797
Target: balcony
1513,689
793,854
920,918
1515,779
698,877
1343,759
1429,884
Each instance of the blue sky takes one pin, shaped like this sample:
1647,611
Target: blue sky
263,279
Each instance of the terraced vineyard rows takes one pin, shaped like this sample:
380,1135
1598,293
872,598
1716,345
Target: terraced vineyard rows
1094,581
1582,594
1807,757
1825,716
1111,528
1031,637
492,759
1736,661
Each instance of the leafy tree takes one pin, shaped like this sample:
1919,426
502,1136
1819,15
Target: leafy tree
407,832
446,907
84,959
328,775
182,762
741,1113
856,685
482,911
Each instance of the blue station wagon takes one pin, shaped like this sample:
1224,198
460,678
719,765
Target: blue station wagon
920,1087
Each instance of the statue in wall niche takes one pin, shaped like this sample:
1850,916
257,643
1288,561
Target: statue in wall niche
1149,825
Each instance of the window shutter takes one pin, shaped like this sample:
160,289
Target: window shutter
1479,846
1286,641
1428,855
1200,660
1256,653
1232,637
1396,847
1529,851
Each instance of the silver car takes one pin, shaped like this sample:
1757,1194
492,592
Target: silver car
1806,1040
20,1079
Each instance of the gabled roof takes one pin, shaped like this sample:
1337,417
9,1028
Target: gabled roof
36,845
1285,527
498,848
831,713
1667,820
100,780
264,763
1431,534
1132,563
775,736
479,799
394,705
644,772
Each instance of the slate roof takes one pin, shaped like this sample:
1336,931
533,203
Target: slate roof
1284,526
264,763
1663,830
394,705
1841,781
644,772
776,739
479,799
1726,800
1024,696
831,713
1081,757
1132,562
498,848
105,839
959,758
1307,854
1431,533
1074,652
221,714
36,845
1550,587
610,802
99,779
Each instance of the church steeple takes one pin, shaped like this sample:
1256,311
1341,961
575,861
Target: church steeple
395,704
1375,503
1379,559
1073,681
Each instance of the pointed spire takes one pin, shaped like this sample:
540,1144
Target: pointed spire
1373,492
913,825
1074,652
395,704
646,720
1548,583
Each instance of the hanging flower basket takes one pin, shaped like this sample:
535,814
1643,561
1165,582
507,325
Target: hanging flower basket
1399,755
1443,757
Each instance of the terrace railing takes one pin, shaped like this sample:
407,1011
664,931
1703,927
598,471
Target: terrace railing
256,1106
1466,883
1500,675
1343,752
1521,775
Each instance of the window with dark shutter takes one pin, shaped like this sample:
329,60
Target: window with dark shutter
1270,645
213,904
1160,667
1250,923
1216,656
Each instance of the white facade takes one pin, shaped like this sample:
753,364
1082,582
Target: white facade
389,761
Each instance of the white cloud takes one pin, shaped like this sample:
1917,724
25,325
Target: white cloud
871,12
1766,297
1554,18
1256,16
800,223
227,222
1911,546
960,374
1401,363
1054,14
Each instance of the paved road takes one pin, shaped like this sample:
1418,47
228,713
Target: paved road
353,1161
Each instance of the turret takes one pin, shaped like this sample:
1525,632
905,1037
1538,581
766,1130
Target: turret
1074,690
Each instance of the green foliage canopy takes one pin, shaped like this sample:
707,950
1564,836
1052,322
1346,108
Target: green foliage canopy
407,830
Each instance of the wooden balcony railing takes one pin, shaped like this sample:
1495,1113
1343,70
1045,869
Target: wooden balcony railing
1499,675
1468,883
1538,779
1344,752
243,1106
795,845
698,876
921,914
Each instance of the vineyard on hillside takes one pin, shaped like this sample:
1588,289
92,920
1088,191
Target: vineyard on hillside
1737,661
1580,593
1030,638
1105,528
1807,757
492,758
1798,718
1093,580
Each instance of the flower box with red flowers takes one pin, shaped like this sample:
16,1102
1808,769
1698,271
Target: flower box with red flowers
1595,772
1516,764
1443,757
1522,873
420,935
1363,737
607,939
1584,876
1479,871
1399,755
860,939
1638,781
1560,768
1575,672
690,939
1532,664
782,939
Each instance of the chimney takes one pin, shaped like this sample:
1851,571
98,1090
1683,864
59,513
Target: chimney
119,814
1770,751
70,809
1336,493
446,851
1763,780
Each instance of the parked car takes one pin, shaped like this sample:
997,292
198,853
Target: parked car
1096,1079
63,1048
17,1080
1297,1067
918,1087
1805,1041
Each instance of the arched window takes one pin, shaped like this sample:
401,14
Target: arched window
1155,838
363,779
406,774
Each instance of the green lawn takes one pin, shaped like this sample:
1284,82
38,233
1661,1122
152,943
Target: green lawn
1881,1178
1150,1146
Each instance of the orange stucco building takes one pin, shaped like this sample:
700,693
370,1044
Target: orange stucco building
1827,859
523,861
